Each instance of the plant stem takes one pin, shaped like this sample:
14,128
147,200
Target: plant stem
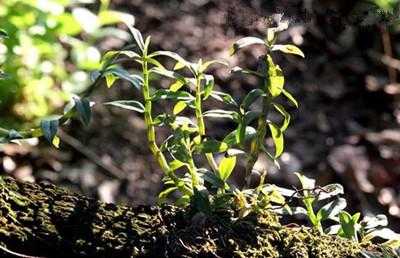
193,173
259,139
151,133
200,122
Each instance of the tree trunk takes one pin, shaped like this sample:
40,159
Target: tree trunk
42,220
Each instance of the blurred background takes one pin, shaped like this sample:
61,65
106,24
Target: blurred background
346,129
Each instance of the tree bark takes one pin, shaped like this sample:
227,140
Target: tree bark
42,220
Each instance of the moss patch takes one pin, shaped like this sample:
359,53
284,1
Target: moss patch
41,220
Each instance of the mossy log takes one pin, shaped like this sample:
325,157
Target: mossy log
42,220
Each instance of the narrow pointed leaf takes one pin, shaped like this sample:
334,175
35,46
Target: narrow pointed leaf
226,167
290,98
49,128
179,107
285,114
251,97
288,49
127,104
84,110
244,42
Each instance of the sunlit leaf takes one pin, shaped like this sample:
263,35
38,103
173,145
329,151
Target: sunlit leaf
223,97
306,182
135,79
332,209
136,35
277,137
211,146
220,113
275,79
231,138
127,104
172,95
205,65
226,167
284,113
56,141
243,42
179,107
176,164
290,97
110,79
208,85
370,222
288,49
164,194
329,191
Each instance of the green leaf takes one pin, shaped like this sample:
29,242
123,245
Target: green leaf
94,75
84,109
251,97
3,34
179,107
223,97
137,36
176,85
127,104
371,222
56,142
329,191
200,201
135,79
244,42
277,137
288,49
226,167
250,116
111,56
110,79
168,94
384,233
209,85
205,65
182,62
164,194
275,79
285,114
332,209
290,98
347,225
169,74
306,182
211,146
176,164
231,138
49,128
212,178
220,113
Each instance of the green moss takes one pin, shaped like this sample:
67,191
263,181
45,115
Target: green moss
53,219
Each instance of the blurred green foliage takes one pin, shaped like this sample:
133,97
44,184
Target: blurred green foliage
50,49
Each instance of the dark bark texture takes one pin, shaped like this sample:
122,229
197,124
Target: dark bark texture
46,221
